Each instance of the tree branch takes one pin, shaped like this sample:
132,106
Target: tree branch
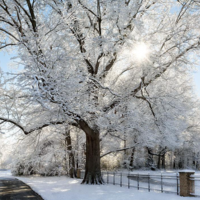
8,33
25,131
86,8
83,50
11,44
118,150
103,87
155,77
109,66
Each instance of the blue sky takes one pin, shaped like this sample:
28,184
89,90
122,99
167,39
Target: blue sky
5,60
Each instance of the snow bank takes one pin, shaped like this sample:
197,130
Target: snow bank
187,171
62,188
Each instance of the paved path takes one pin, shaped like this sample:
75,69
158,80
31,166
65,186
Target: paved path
13,189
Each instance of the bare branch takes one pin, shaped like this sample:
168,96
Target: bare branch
25,131
98,63
86,8
99,15
109,66
117,150
8,33
32,18
6,45
81,42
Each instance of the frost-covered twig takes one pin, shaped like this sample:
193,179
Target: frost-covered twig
103,87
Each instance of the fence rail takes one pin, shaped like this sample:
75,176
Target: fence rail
168,183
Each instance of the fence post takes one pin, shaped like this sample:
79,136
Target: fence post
161,183
107,177
138,181
78,173
121,180
113,178
128,179
177,183
149,182
186,185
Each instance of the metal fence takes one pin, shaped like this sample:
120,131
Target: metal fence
196,181
168,183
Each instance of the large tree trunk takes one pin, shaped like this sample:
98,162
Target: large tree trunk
92,166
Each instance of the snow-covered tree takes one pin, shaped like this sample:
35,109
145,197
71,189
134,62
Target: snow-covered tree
103,66
46,153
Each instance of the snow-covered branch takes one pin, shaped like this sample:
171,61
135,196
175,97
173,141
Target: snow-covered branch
117,150
103,87
27,131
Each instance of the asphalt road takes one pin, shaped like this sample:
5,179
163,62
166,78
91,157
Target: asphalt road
13,189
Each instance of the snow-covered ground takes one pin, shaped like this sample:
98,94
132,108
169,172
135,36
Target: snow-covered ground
62,188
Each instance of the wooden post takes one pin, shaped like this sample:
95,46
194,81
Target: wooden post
186,185
78,173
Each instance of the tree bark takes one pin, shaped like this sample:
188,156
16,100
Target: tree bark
125,151
158,163
163,161
68,142
92,166
132,157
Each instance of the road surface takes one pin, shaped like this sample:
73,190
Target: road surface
14,189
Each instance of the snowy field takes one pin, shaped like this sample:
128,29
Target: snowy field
62,188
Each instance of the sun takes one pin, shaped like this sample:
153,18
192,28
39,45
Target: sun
140,52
